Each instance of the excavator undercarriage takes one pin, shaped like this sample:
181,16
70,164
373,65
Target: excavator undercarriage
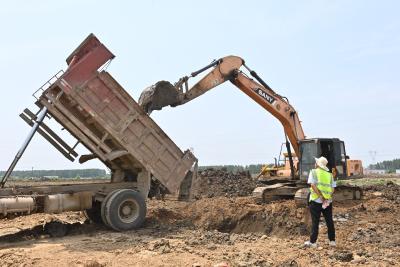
300,192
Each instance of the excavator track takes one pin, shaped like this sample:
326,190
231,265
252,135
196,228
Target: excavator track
300,192
265,194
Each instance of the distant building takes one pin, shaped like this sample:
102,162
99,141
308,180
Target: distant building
372,171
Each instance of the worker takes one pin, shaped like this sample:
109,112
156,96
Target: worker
320,201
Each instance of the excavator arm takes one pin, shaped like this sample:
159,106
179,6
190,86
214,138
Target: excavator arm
228,68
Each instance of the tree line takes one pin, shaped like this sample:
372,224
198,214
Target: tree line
100,173
389,165
73,173
252,168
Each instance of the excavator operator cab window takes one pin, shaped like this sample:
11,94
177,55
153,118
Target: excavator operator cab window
308,153
327,151
340,158
332,149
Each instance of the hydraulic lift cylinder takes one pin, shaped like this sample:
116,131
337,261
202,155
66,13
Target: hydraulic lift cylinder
21,151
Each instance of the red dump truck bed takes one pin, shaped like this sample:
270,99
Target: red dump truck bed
95,109
91,105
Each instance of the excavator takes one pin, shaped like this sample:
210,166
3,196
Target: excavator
280,168
164,93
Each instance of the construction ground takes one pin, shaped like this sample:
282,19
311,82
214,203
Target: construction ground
221,226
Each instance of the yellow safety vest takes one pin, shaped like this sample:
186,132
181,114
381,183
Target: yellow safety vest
324,184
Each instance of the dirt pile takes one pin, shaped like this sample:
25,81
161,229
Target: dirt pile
390,191
230,215
242,215
216,183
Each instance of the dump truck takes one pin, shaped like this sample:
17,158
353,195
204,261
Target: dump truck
90,104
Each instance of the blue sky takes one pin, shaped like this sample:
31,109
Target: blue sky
338,63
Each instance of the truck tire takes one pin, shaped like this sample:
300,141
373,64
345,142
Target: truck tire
94,213
103,206
125,210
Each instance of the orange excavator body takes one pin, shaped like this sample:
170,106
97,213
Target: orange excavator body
228,68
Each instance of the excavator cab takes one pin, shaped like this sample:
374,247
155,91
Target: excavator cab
332,149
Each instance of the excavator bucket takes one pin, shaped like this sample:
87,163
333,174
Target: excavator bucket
157,96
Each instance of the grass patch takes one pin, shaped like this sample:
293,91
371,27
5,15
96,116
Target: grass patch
369,181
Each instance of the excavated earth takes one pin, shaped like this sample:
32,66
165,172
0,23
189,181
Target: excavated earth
215,183
220,227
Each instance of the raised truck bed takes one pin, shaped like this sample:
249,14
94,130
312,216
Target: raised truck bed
90,104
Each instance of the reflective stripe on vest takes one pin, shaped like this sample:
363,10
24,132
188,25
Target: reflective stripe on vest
324,184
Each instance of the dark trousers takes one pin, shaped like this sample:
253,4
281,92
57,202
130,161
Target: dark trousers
315,210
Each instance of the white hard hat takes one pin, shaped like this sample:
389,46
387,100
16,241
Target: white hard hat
322,162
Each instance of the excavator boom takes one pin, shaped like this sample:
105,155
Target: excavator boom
164,93
278,106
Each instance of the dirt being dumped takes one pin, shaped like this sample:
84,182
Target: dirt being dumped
216,183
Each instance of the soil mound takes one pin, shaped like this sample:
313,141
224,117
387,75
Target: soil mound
242,215
391,191
217,183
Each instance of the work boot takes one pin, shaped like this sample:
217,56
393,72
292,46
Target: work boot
308,244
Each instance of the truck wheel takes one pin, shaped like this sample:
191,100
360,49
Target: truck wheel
125,210
103,206
94,213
